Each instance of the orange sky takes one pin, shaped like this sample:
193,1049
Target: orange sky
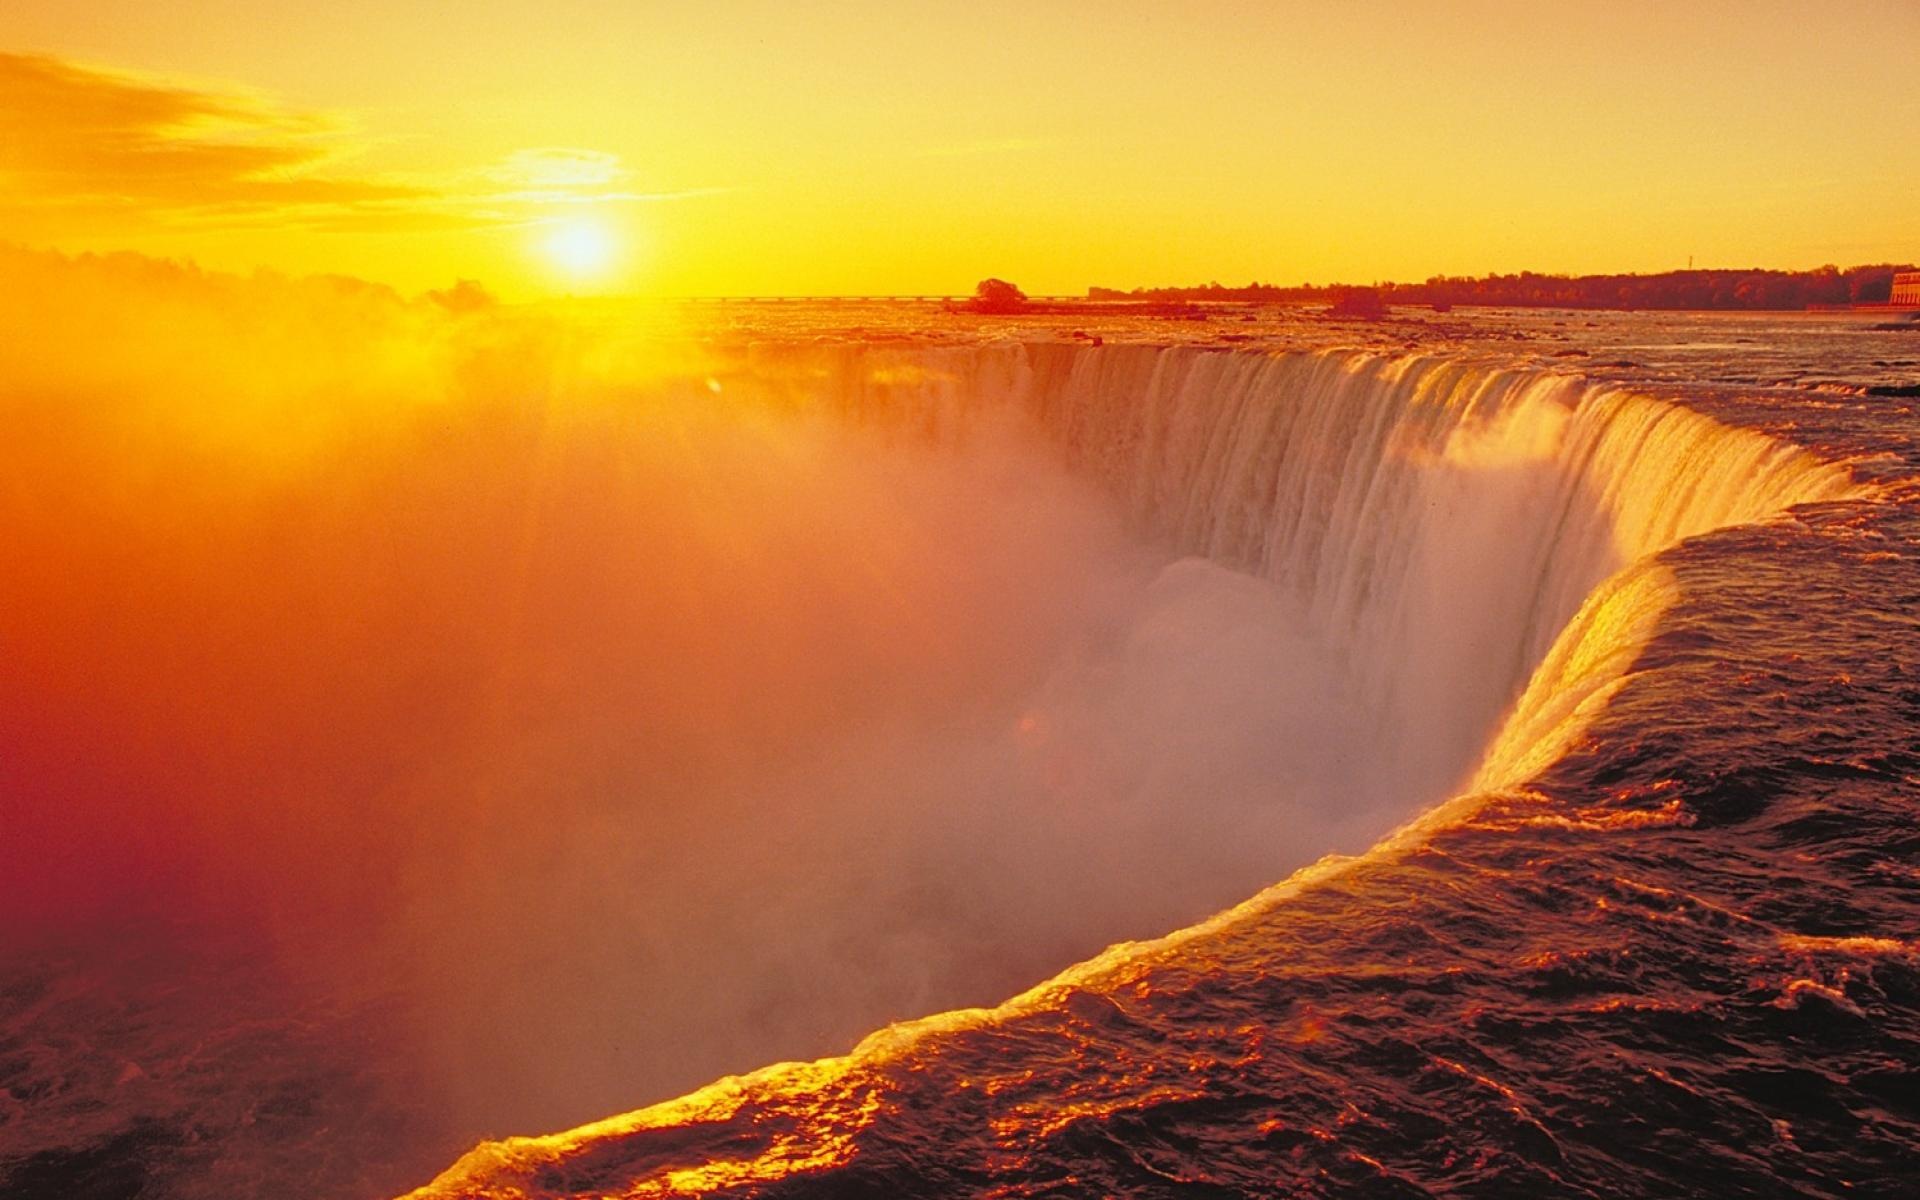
728,148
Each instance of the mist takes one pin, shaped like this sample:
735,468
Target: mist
604,725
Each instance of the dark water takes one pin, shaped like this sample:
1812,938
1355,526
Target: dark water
1685,960
179,1068
1684,963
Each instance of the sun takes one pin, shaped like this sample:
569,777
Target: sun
580,248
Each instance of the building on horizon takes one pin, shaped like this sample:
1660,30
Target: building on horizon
1906,289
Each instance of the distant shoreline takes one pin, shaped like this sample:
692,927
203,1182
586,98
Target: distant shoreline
1830,288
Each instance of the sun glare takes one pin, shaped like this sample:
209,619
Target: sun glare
580,249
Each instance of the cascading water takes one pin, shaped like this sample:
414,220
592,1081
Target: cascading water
1450,529
418,728
1438,521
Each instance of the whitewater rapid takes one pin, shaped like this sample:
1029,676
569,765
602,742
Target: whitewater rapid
1482,545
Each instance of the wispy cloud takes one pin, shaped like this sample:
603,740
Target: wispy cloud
567,175
82,141
558,166
78,134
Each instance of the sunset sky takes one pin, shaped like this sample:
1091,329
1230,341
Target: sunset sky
754,148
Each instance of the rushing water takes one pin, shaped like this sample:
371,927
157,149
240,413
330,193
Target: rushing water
1678,958
1638,591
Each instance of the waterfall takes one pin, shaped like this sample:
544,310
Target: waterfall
1438,520
1479,543
702,703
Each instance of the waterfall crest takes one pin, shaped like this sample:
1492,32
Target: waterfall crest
1440,521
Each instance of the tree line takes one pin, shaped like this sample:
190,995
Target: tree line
1703,289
